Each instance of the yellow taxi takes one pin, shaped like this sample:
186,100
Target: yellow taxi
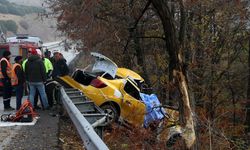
115,90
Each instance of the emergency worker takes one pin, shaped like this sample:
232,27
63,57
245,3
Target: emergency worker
25,60
48,69
36,76
23,65
5,76
60,66
47,54
47,63
18,80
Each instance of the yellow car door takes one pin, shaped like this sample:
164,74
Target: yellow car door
133,110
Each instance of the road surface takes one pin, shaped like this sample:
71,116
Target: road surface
40,134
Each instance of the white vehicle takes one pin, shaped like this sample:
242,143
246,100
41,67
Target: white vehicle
20,45
25,38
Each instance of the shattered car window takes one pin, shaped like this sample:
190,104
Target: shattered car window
132,90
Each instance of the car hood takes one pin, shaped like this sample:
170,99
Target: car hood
124,73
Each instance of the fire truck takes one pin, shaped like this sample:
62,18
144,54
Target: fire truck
19,46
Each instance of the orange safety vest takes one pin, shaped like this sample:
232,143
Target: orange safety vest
8,69
14,79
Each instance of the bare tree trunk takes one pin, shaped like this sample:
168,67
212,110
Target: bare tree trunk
140,54
210,135
177,70
247,121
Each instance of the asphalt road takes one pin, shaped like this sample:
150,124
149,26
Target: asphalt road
40,136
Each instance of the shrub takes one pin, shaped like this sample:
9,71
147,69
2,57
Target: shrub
11,26
20,10
24,24
3,9
2,27
8,25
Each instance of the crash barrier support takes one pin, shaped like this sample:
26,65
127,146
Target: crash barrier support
88,135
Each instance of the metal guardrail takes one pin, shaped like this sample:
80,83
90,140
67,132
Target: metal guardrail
56,44
88,135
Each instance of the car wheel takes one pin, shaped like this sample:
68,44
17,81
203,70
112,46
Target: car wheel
111,112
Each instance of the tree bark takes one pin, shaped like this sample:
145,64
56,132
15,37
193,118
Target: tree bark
140,54
176,71
247,121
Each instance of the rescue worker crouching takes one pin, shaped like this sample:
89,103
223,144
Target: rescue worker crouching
5,76
18,80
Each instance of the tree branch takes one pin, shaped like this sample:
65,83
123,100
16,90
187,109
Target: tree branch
151,37
131,30
182,22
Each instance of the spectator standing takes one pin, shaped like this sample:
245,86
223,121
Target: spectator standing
47,54
5,76
23,65
26,86
18,80
24,61
36,76
60,66
47,63
48,69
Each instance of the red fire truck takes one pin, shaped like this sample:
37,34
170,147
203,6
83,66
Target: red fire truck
16,49
19,46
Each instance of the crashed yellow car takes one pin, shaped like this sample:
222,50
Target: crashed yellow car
115,90
118,92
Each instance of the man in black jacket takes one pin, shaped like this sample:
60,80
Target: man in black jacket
60,67
36,76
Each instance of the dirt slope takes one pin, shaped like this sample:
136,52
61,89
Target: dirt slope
32,24
27,2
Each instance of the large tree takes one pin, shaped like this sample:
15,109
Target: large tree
195,48
247,120
176,65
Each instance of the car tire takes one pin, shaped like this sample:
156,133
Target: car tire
111,112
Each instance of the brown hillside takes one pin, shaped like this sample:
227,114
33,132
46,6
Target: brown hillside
28,2
34,25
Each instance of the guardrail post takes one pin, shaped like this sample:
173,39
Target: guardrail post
88,135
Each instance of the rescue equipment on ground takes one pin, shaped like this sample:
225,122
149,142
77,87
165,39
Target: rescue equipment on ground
24,114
